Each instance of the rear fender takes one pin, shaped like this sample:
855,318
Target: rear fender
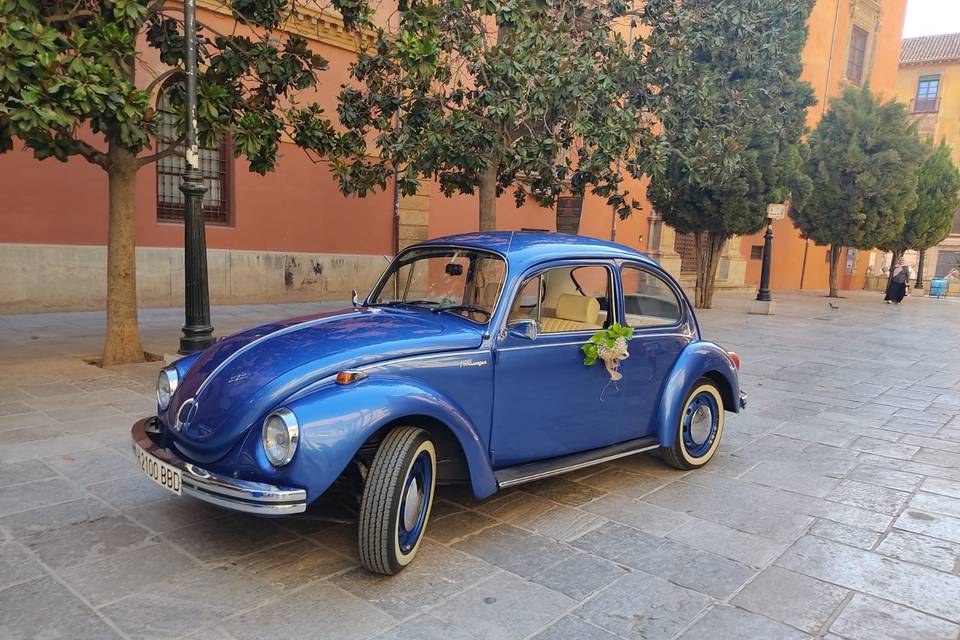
335,420
699,359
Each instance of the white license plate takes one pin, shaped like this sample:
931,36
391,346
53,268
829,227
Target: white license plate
163,474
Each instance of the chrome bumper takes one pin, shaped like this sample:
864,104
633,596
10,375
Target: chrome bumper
240,495
743,400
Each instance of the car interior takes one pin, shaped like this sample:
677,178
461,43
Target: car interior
565,299
576,298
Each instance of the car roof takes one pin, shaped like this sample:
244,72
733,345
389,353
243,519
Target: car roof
525,248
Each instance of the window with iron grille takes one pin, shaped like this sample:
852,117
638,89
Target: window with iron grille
216,165
756,252
927,89
686,245
858,53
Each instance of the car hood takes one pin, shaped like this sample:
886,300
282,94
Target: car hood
235,382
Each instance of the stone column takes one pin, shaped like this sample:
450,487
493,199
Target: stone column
415,216
732,271
660,241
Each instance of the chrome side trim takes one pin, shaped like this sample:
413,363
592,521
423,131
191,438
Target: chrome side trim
576,461
239,495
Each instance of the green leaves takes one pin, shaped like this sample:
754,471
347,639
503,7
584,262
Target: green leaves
938,198
543,90
863,163
606,338
65,65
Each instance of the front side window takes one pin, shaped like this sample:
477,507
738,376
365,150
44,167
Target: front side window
565,299
927,90
461,281
648,301
858,53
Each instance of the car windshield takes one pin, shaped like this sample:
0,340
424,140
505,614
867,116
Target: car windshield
444,279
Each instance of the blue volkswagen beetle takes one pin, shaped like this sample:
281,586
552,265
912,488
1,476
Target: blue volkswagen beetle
464,364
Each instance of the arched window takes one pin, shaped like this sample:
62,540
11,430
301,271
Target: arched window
216,164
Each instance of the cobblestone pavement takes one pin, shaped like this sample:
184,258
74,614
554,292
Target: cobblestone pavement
832,510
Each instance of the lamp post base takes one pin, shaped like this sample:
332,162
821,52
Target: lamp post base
196,339
763,307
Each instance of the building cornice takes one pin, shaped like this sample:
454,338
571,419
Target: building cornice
313,24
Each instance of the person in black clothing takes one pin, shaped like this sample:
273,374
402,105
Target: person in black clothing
899,284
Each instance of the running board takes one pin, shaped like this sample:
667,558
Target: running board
509,476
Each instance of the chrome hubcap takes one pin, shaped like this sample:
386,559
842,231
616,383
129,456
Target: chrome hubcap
411,505
701,424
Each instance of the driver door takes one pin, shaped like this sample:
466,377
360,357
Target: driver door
547,403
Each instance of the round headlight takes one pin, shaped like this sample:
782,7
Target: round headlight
166,386
281,433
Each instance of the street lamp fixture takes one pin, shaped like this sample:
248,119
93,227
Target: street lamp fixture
197,330
764,304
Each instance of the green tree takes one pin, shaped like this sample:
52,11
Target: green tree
864,158
746,57
931,218
538,97
68,87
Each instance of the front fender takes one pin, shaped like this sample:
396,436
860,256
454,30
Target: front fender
335,420
697,360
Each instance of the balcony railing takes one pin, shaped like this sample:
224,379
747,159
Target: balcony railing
925,105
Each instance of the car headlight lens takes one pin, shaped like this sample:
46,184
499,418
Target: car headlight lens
166,386
281,433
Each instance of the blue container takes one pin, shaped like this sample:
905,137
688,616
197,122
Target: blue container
938,287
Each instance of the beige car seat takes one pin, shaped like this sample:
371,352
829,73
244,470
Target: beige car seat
573,313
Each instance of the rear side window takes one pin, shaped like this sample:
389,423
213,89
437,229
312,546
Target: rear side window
648,301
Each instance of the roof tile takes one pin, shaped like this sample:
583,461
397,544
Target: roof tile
939,48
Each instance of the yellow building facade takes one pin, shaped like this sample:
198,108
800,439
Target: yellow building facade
928,82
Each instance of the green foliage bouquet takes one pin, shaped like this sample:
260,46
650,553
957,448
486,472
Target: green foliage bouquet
609,345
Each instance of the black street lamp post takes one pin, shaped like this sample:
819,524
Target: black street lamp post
197,330
763,294
764,303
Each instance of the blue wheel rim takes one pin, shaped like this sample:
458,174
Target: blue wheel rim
421,477
700,422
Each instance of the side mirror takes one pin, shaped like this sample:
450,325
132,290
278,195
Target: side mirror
355,298
526,329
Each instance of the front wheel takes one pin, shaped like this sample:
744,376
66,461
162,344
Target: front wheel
699,428
396,500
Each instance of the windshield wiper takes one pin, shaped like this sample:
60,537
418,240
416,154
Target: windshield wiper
463,307
397,303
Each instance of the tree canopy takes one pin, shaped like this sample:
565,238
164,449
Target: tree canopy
938,198
747,56
863,162
538,97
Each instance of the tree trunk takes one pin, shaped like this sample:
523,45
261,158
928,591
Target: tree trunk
488,197
708,246
919,283
122,345
834,268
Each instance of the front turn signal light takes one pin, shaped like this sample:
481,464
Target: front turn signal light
349,377
735,358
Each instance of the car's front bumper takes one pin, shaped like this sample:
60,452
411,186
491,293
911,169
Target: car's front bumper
240,495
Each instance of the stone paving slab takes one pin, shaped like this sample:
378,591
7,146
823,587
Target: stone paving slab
832,510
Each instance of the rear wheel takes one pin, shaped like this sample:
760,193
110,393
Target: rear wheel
699,427
396,500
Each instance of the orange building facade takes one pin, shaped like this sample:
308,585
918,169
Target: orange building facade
849,42
290,235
